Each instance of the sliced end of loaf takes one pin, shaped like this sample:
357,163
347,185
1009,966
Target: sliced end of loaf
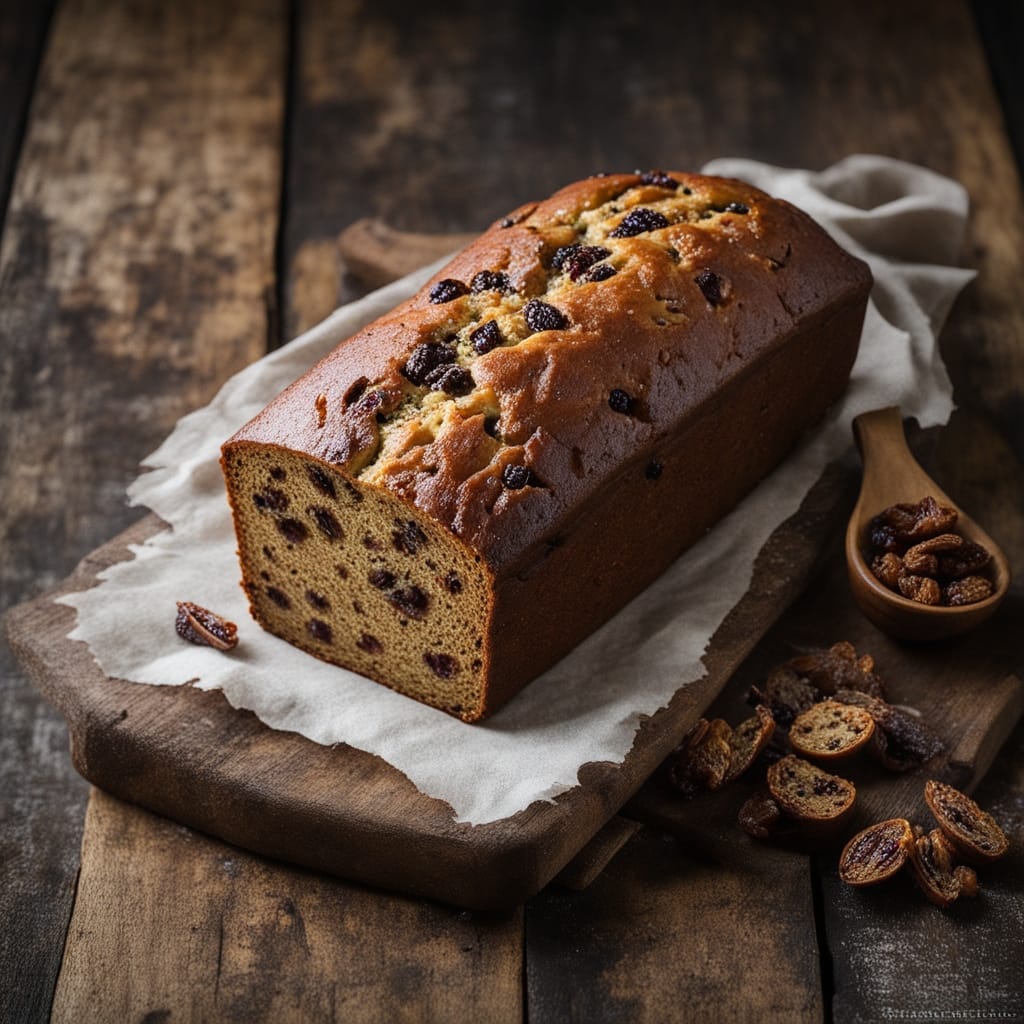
348,572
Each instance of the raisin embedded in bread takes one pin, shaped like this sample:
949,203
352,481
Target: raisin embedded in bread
831,730
458,494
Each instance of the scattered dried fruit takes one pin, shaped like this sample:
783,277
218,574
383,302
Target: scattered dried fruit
702,761
786,694
747,741
760,816
876,853
452,380
900,741
199,625
973,833
838,668
931,860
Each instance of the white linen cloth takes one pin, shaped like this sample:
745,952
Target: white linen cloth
906,221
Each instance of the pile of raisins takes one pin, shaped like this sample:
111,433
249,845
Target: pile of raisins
916,553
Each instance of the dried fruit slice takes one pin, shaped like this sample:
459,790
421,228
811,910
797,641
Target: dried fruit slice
748,739
831,730
900,741
968,879
760,816
199,625
931,860
703,760
876,853
786,695
838,668
973,833
806,792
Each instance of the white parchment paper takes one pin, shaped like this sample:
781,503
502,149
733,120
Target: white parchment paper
907,222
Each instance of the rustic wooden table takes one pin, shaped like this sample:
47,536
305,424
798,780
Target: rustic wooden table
173,181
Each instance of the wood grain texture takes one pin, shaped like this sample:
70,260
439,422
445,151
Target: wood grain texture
205,932
660,936
136,251
368,254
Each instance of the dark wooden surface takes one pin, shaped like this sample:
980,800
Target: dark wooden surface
183,176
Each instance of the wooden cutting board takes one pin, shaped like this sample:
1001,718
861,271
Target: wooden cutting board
188,755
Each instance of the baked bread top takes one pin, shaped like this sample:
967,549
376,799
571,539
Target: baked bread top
566,342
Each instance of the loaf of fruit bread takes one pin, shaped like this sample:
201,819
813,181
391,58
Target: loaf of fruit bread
457,495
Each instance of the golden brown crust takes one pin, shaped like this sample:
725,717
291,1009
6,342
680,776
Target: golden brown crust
553,386
559,402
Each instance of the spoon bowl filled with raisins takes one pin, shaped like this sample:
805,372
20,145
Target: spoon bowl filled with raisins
920,568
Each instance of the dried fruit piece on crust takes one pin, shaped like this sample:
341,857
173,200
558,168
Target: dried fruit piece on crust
876,853
806,792
972,832
831,730
747,741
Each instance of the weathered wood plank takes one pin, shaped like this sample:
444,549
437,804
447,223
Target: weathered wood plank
204,931
136,254
662,937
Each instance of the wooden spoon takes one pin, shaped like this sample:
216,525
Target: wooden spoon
891,476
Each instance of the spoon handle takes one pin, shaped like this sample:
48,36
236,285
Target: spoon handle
891,473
